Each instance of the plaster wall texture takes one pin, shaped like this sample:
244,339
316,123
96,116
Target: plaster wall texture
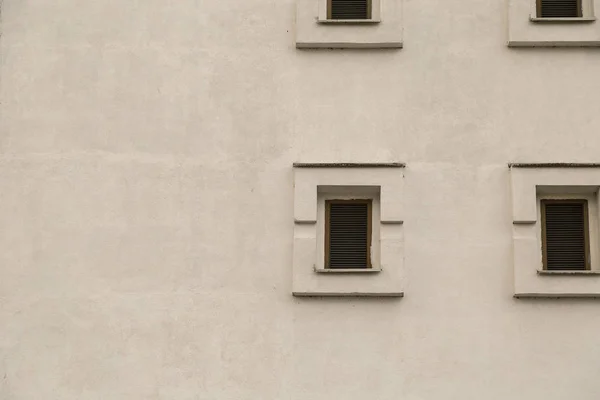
146,204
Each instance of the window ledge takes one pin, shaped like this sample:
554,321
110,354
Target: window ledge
348,294
567,20
579,273
349,21
347,270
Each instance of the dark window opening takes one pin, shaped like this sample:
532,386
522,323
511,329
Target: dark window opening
348,234
559,9
565,235
349,9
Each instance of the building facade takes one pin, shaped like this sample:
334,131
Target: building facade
165,168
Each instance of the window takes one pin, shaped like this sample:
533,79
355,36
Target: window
553,23
348,229
348,234
349,9
342,24
559,9
565,235
556,229
563,11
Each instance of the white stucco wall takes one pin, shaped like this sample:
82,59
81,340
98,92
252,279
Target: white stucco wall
146,204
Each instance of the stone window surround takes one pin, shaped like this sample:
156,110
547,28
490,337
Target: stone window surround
383,30
383,182
525,29
530,183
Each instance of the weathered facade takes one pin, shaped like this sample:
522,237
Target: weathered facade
147,203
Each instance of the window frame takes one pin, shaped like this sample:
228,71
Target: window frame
567,193
586,227
360,193
327,221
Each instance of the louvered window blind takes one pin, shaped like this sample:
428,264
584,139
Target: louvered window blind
565,238
348,233
559,9
349,9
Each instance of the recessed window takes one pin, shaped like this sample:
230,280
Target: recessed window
348,234
345,24
565,235
556,234
349,9
348,229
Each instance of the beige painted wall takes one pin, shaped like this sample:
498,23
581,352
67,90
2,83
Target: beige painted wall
146,204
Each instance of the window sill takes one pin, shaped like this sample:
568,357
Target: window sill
347,270
349,21
576,273
565,20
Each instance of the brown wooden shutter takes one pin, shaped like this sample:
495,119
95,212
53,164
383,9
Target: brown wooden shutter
349,9
565,238
559,9
348,234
